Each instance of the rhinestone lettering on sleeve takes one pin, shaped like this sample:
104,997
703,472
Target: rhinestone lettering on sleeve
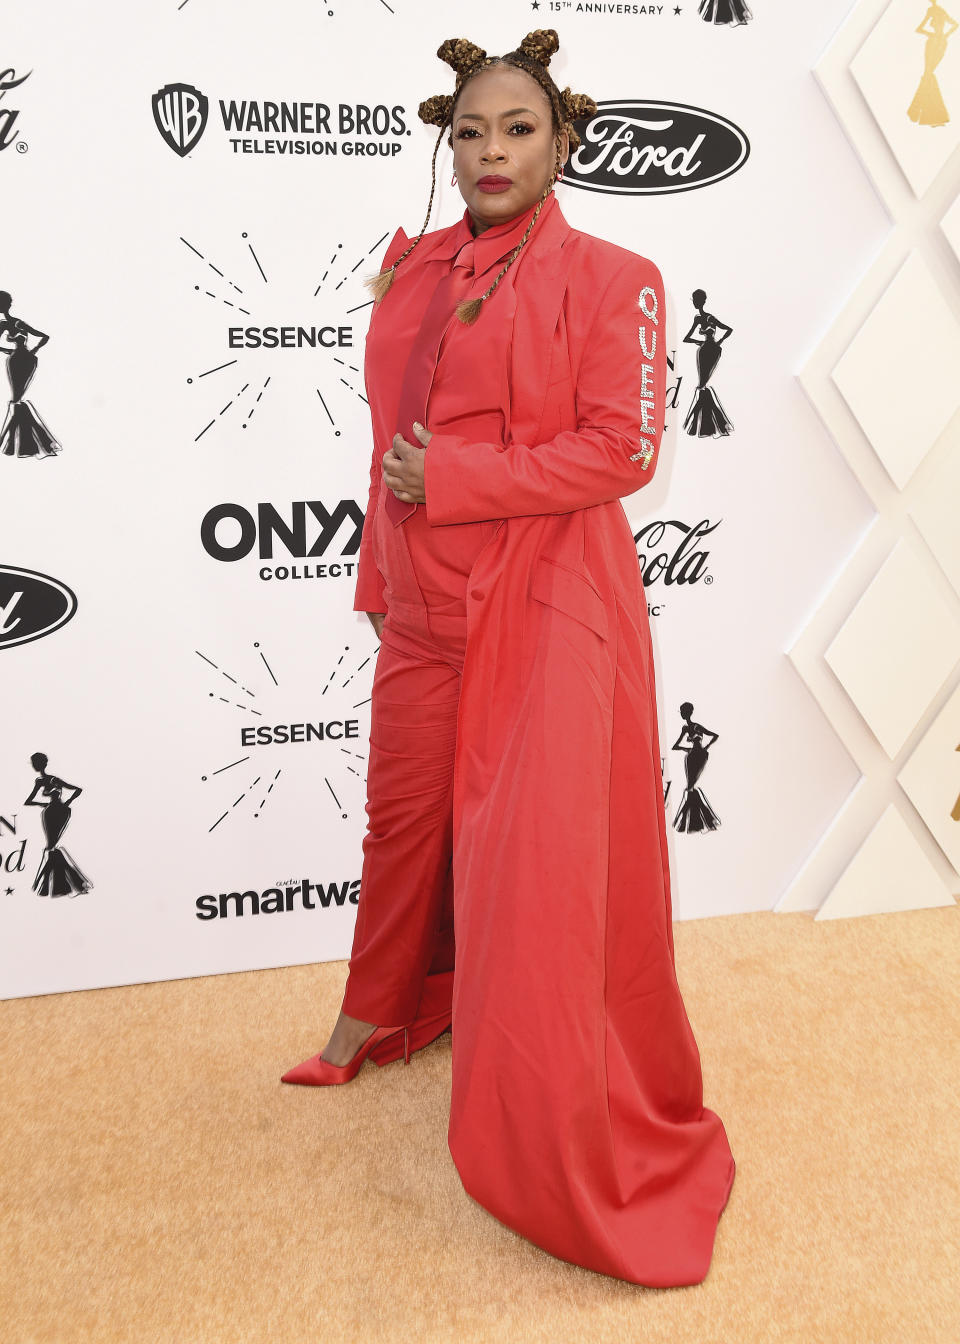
650,309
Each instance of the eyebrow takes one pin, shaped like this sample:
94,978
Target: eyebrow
512,112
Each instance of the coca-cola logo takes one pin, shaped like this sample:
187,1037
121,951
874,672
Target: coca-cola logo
648,148
31,605
8,115
670,550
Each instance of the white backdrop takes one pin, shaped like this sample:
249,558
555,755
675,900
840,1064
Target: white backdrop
137,260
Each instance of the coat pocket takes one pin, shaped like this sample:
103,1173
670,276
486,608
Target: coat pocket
571,592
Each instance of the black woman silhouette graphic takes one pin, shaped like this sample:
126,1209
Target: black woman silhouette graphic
724,11
24,434
57,875
928,107
694,812
706,418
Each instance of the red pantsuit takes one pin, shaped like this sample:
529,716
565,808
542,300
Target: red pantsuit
515,877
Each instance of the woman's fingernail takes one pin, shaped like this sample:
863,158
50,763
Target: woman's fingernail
417,424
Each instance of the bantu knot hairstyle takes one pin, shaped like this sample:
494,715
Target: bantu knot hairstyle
467,59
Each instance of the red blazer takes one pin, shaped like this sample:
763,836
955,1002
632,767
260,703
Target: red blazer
584,389
576,1113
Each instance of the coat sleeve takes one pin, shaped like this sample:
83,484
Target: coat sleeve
369,591
620,394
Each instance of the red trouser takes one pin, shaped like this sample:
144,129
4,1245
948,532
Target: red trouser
404,928
401,967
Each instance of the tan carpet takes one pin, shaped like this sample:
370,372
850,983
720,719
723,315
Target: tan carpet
159,1183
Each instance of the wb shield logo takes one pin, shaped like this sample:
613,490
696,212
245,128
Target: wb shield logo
181,116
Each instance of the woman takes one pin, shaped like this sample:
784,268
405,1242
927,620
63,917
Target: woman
706,417
928,107
514,785
725,11
694,812
57,875
23,434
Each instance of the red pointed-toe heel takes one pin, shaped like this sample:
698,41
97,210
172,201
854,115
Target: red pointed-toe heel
319,1072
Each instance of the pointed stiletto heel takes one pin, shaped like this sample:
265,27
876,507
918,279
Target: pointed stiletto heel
395,1046
421,1032
319,1072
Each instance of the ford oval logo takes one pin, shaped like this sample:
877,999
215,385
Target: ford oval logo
638,148
31,605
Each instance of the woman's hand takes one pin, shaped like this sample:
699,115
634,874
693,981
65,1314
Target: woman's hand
403,466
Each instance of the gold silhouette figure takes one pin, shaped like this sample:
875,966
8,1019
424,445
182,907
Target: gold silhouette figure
928,107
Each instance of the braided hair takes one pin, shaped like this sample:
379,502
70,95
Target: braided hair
533,57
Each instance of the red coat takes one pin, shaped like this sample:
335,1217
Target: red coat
577,1113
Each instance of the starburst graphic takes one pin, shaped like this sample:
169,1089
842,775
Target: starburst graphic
244,784
236,392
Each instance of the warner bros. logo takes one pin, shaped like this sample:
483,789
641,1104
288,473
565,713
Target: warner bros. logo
180,112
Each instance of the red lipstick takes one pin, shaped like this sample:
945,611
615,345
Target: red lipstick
493,182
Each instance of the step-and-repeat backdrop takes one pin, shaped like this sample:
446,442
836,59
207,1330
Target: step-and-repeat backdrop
192,193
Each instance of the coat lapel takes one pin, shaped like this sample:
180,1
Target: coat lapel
545,273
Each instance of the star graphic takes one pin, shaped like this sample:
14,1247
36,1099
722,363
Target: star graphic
677,9
534,4
9,891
